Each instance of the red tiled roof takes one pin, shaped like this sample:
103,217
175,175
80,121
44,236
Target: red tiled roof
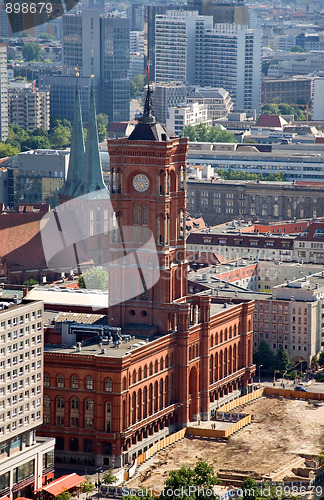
315,232
63,483
271,121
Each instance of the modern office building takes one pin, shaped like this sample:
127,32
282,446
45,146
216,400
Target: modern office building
225,11
221,201
217,101
35,176
166,95
292,91
135,13
104,52
229,56
175,45
26,461
182,116
28,107
3,93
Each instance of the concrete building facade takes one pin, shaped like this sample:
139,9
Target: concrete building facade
191,114
217,100
29,108
26,462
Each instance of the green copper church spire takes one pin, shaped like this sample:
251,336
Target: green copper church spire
92,179
77,149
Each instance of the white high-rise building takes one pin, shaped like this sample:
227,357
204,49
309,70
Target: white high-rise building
26,462
229,56
175,45
3,93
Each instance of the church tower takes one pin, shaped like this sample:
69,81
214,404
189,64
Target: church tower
148,190
74,174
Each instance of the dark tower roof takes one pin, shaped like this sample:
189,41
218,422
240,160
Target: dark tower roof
74,174
148,129
92,179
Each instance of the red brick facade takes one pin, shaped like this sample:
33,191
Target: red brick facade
104,409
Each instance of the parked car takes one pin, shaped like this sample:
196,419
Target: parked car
300,389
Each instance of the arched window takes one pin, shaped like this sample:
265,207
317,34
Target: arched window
89,383
144,215
145,371
167,361
46,401
161,364
108,384
59,402
88,404
60,381
171,362
108,417
211,341
136,214
74,404
124,383
75,382
156,367
134,377
46,380
151,368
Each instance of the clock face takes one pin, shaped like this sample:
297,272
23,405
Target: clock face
141,183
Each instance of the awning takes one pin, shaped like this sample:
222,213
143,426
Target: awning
20,498
63,483
4,498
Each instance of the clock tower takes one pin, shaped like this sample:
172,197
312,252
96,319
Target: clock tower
148,194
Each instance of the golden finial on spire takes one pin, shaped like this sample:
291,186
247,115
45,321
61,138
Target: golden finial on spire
92,76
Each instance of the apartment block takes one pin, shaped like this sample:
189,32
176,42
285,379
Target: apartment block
3,93
167,95
217,101
29,107
26,461
182,116
229,56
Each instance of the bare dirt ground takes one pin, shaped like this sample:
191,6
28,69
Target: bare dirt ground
281,430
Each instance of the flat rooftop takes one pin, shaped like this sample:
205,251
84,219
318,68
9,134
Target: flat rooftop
96,299
96,347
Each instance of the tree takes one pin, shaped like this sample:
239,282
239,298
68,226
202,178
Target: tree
65,495
282,359
31,282
137,86
60,137
7,150
109,477
46,36
297,48
250,489
87,486
32,51
187,480
36,142
264,356
321,359
102,132
102,119
95,278
206,133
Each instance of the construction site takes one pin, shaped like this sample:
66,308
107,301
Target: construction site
281,443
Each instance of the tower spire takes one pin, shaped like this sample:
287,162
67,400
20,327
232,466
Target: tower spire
148,116
74,174
92,179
